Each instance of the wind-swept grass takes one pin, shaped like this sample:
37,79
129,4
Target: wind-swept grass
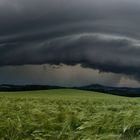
68,115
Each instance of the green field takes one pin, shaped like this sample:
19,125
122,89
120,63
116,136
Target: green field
68,115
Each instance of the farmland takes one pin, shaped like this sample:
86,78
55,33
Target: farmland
67,114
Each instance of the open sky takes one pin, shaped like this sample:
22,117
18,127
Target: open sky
70,42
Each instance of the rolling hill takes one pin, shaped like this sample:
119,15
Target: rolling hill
121,91
68,114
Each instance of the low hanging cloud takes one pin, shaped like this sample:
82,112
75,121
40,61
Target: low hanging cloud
107,53
101,34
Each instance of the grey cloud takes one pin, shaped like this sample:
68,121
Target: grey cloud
107,53
65,75
72,32
25,16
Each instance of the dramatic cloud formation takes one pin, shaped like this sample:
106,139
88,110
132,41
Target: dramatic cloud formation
97,34
104,52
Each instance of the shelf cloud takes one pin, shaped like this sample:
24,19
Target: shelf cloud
102,35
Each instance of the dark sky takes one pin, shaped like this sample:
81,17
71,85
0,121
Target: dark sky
70,42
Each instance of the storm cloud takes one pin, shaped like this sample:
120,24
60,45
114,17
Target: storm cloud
102,35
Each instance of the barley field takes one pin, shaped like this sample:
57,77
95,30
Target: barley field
68,114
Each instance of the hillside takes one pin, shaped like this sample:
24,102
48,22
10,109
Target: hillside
120,91
67,114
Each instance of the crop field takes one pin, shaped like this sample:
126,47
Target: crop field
67,114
